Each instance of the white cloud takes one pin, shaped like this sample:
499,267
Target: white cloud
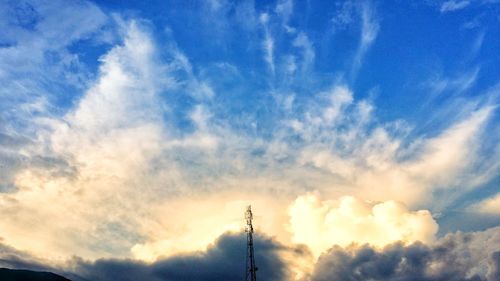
308,54
268,43
370,25
344,15
371,161
339,99
370,28
322,224
126,159
37,57
131,164
453,5
269,49
456,85
52,28
489,205
284,9
111,136
35,64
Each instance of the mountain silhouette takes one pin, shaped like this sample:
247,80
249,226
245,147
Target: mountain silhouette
28,275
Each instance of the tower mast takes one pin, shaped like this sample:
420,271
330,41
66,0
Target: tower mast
250,268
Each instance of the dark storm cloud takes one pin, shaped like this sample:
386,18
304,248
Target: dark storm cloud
473,256
12,258
224,260
494,274
456,257
15,259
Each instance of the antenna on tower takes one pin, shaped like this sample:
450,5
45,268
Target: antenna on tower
250,268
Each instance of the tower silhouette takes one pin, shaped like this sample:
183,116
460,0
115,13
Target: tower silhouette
250,268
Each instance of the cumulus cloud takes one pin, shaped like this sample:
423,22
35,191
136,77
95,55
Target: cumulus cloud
320,224
459,256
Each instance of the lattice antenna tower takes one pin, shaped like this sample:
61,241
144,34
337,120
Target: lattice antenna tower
251,269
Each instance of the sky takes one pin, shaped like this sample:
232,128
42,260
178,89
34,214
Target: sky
365,135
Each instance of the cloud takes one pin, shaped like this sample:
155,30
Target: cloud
37,61
375,161
127,162
453,5
38,68
222,260
114,129
132,167
159,145
477,44
284,8
13,258
370,27
320,224
459,256
344,15
307,48
268,43
455,85
489,205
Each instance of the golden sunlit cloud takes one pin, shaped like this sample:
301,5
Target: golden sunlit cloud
321,224
121,180
489,205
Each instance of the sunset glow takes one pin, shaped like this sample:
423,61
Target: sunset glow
364,134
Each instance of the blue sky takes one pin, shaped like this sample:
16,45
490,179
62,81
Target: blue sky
115,113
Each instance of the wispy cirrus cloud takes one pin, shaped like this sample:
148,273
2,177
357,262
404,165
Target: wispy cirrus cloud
490,205
268,43
307,52
158,133
37,67
285,9
344,15
364,17
453,5
370,28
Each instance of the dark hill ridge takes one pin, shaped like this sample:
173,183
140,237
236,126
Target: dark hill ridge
28,275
